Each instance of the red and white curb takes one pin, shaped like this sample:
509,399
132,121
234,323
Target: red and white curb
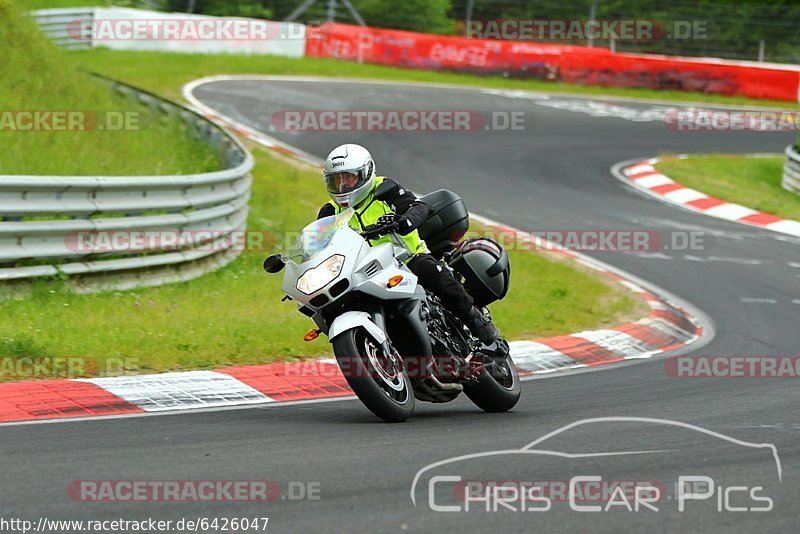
667,327
643,176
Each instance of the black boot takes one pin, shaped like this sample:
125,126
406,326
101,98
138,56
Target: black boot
481,326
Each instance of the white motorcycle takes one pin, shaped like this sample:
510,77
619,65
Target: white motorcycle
393,340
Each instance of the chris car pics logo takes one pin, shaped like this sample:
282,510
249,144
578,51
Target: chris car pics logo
451,485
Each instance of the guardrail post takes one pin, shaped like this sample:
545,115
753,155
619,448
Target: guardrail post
791,170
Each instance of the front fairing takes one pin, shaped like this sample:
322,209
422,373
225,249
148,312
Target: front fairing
364,268
315,238
344,242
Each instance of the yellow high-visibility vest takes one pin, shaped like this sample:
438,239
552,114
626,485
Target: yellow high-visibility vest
369,213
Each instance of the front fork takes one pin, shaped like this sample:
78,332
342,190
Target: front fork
378,317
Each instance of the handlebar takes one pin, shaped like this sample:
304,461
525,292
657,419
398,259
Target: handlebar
385,224
374,231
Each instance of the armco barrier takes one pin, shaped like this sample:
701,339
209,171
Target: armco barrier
41,216
55,24
572,64
73,28
791,170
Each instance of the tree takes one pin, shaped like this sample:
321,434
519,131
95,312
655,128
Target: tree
428,16
225,8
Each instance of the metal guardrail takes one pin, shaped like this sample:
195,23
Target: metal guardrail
67,27
110,27
791,170
43,217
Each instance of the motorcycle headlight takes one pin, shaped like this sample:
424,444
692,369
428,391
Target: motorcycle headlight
323,274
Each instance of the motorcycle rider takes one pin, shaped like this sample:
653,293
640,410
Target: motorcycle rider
351,180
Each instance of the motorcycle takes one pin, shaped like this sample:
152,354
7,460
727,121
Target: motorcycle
393,340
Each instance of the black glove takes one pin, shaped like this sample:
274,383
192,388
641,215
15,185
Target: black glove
404,226
387,222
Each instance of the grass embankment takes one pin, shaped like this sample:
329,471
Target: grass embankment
232,316
166,73
39,77
751,182
51,4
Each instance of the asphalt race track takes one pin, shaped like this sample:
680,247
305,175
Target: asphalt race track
555,175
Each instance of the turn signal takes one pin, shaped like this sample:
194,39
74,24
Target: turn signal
311,335
393,281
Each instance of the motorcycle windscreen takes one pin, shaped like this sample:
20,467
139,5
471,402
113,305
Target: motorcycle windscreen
315,237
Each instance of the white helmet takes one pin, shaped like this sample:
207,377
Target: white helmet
349,175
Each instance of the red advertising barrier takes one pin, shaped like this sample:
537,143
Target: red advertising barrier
437,52
566,63
682,74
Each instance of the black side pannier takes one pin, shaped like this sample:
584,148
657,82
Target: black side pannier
485,267
448,221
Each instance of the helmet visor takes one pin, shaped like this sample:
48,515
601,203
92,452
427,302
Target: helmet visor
340,183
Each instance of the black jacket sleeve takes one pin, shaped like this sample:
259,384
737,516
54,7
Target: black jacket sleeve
411,211
326,211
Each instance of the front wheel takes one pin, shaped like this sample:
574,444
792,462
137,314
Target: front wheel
498,388
385,390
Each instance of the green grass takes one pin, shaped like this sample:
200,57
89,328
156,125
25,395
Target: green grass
37,76
51,4
751,182
234,316
165,73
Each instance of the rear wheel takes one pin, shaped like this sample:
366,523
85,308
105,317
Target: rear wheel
373,376
498,388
